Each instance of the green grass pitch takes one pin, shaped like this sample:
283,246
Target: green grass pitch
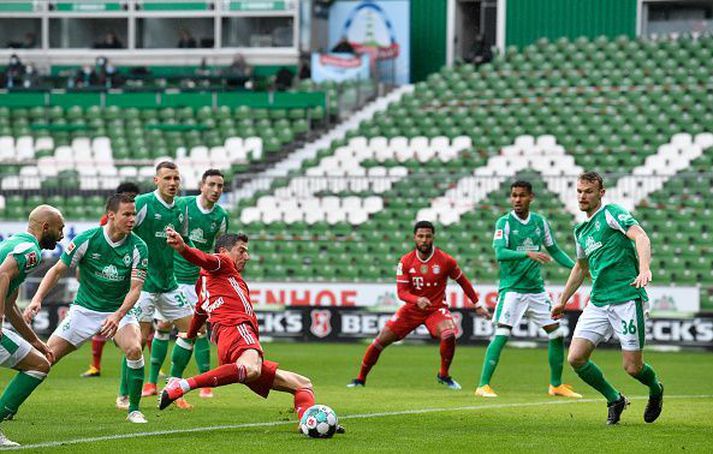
402,408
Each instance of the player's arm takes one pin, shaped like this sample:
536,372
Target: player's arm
403,289
23,328
197,257
48,283
503,253
579,272
198,320
465,284
111,323
9,270
557,254
643,250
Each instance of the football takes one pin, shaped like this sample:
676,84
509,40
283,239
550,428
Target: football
319,421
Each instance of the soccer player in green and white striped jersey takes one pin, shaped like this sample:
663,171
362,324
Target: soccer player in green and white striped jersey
614,249
519,240
21,349
112,262
206,222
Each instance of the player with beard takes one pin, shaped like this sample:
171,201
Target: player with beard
23,350
421,279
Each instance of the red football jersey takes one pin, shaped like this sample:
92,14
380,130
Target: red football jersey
428,277
224,296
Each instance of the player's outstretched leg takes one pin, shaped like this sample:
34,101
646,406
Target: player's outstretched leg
492,356
98,343
122,400
385,338
128,339
448,350
555,358
636,367
33,368
579,352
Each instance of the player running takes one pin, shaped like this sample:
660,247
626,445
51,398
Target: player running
23,350
225,302
158,211
206,221
421,279
620,271
518,242
112,262
98,341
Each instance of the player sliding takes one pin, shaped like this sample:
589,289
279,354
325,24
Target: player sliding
112,262
26,353
224,300
518,242
421,278
619,273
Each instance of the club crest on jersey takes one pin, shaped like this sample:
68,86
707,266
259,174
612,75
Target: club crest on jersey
424,269
144,262
436,269
180,217
321,325
213,226
127,260
538,232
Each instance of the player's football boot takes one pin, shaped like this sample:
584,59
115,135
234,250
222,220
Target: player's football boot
448,381
136,417
6,443
564,391
206,393
616,408
170,393
91,372
654,407
122,402
183,404
356,383
340,429
485,391
149,390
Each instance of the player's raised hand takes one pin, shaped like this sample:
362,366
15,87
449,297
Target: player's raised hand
539,257
642,279
174,240
422,302
31,310
558,311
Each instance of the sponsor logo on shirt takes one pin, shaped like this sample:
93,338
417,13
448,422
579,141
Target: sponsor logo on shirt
591,245
214,305
197,235
417,282
528,245
71,247
110,272
162,233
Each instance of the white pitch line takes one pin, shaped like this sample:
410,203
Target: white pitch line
76,441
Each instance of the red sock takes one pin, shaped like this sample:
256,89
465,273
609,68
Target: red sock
304,398
98,343
149,341
371,356
448,349
220,376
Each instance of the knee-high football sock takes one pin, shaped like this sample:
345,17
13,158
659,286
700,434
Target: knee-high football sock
220,376
159,350
180,357
124,378
593,376
135,381
201,351
98,343
448,350
371,356
492,355
648,377
555,357
18,390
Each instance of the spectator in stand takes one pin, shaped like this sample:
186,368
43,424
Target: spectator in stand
30,79
110,41
14,72
238,74
283,79
343,46
85,77
30,41
186,40
480,52
305,71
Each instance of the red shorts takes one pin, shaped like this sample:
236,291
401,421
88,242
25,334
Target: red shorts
409,317
233,341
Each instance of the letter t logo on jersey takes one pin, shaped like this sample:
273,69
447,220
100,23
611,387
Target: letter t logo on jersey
417,282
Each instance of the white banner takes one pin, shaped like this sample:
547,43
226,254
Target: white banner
267,295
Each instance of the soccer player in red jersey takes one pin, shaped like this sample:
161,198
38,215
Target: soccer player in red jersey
421,278
99,341
224,300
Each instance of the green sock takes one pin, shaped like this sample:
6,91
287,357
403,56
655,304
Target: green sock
555,356
492,355
135,379
648,377
180,357
159,350
202,354
593,376
18,390
123,382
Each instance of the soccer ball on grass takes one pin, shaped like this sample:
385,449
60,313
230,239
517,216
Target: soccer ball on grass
319,421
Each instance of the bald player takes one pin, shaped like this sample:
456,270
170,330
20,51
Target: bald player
23,350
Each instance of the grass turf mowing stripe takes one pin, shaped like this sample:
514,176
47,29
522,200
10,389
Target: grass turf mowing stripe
77,441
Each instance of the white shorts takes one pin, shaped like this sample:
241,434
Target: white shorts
81,324
190,291
13,348
513,306
625,321
168,307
